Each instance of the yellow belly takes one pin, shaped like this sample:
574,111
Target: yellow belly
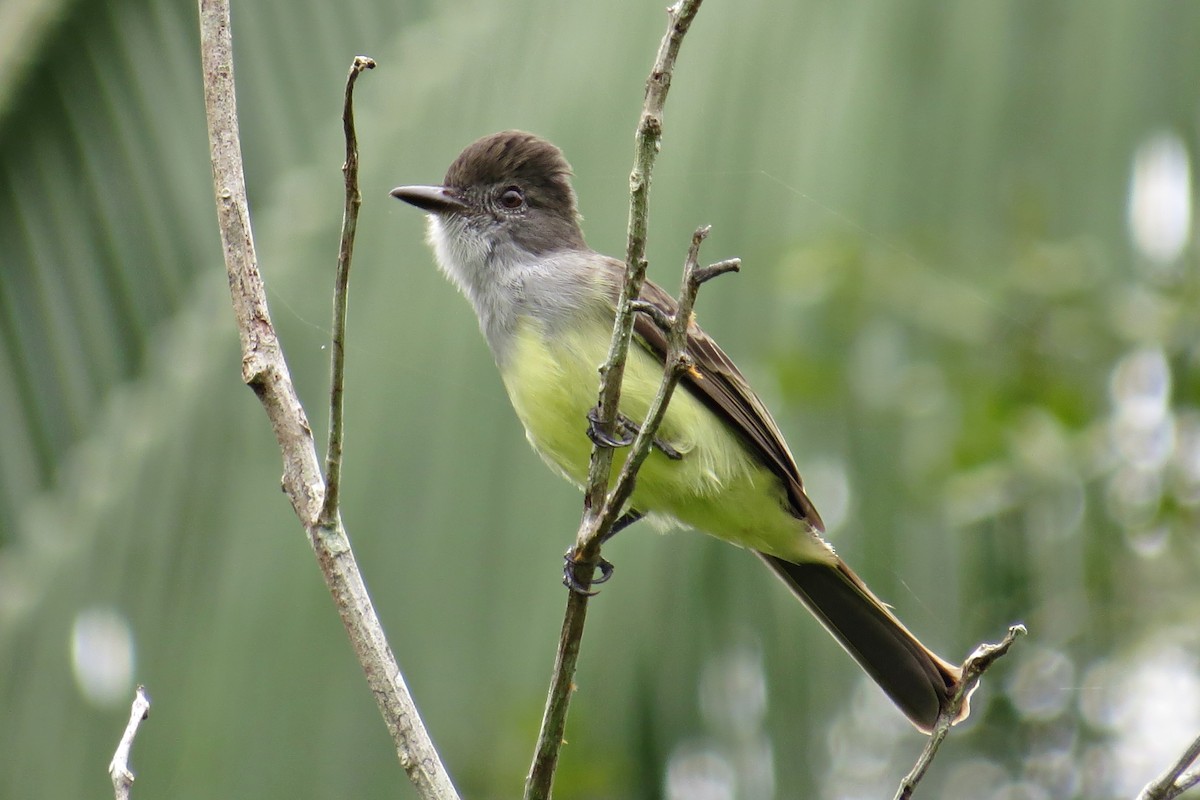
716,487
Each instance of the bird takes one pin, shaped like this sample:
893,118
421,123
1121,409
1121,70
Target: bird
505,228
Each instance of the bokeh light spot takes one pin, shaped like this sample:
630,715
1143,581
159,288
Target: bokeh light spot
1160,198
102,656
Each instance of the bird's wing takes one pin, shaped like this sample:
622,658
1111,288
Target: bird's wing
718,383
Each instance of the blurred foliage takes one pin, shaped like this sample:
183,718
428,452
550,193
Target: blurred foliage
970,294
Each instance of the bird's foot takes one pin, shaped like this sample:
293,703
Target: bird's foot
627,431
570,563
600,435
667,450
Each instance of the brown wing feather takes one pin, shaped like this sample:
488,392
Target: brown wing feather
719,384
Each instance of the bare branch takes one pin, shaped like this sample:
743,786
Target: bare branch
646,145
596,521
972,670
716,270
266,371
263,368
118,768
676,363
1175,781
341,286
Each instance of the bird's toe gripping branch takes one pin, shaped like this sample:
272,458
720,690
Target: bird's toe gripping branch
627,431
571,564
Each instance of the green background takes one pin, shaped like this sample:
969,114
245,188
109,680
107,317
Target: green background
987,372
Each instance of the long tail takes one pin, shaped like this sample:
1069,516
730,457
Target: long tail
919,682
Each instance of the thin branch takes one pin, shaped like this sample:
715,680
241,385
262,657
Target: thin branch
647,141
972,670
118,768
677,363
341,286
596,522
263,368
265,371
1176,780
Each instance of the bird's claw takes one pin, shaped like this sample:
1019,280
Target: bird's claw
570,563
667,450
598,432
628,432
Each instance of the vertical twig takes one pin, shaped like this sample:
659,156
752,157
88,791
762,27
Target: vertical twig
972,670
540,780
646,145
341,287
265,371
118,768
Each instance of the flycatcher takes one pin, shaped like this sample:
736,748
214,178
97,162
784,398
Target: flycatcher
504,226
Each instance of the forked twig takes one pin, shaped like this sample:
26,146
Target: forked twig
597,519
972,670
265,370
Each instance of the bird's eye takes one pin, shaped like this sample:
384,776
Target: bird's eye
512,198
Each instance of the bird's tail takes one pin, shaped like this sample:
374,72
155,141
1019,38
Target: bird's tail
916,680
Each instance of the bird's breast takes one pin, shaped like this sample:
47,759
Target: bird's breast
717,485
552,382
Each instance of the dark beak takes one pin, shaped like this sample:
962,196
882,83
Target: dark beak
435,199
